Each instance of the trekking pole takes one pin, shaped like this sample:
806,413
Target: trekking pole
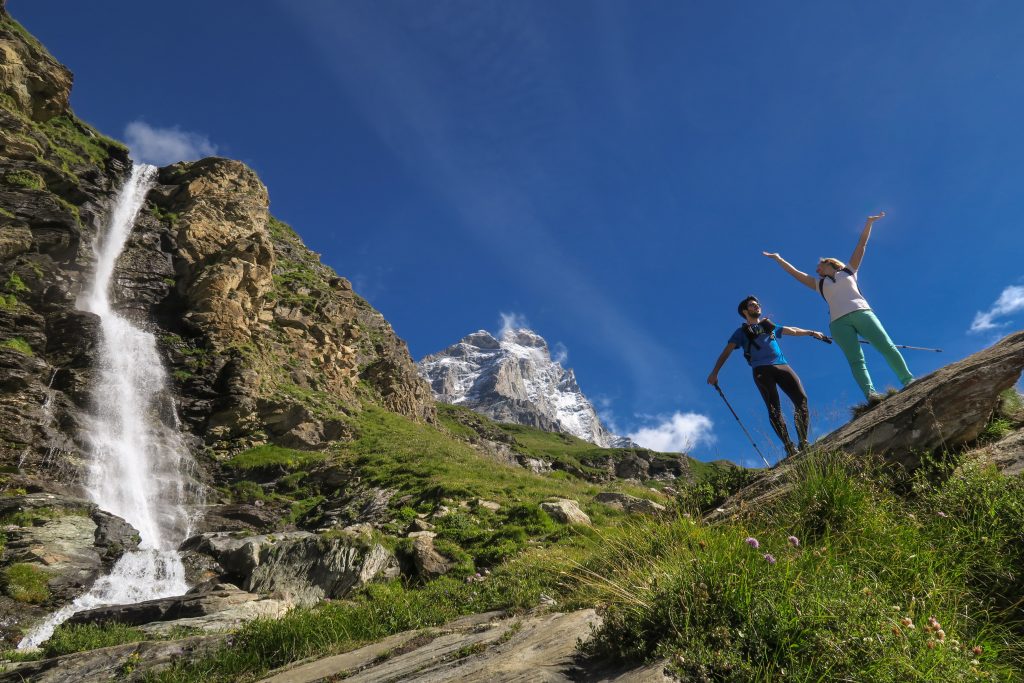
898,346
720,393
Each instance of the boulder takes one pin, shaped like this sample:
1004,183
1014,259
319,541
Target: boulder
943,410
429,563
307,570
565,511
627,503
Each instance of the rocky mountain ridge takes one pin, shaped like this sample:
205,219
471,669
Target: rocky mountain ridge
513,378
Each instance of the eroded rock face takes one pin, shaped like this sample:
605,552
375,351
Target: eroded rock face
36,82
57,177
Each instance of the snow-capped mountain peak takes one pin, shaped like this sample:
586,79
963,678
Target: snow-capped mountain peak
514,379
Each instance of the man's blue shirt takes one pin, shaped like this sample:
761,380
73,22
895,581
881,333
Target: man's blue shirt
765,348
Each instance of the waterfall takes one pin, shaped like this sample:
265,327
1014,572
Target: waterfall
138,465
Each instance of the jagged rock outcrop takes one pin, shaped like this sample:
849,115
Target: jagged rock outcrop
263,338
514,379
264,343
945,410
57,176
36,83
55,548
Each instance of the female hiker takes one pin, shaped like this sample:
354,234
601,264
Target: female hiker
850,313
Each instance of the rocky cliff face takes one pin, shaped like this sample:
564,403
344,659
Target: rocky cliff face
265,344
514,379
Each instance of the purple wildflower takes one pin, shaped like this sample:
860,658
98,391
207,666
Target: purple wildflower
769,558
794,541
752,542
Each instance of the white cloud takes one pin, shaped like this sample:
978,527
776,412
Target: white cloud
162,146
676,434
1010,301
560,353
511,322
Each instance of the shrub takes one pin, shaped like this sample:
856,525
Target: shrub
17,344
79,638
26,179
26,583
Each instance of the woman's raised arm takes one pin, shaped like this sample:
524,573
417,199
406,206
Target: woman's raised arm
788,267
858,252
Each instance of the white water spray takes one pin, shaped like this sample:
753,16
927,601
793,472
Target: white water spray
138,464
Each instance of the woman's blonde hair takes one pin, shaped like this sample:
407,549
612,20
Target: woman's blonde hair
834,262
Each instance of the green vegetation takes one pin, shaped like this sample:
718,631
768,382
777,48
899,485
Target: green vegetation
849,581
18,344
279,230
564,451
26,583
77,143
268,457
5,213
15,285
24,178
869,587
81,637
164,215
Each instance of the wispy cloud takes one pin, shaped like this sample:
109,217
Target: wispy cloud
560,353
510,322
460,150
676,434
162,146
1009,302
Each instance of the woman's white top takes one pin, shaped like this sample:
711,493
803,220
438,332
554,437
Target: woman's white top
843,295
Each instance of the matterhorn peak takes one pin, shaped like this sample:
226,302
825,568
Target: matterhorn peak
512,378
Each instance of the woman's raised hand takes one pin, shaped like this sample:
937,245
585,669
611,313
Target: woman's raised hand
872,219
771,254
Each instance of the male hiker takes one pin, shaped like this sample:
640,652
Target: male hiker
759,340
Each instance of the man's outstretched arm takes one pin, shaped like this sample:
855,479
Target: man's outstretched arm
800,332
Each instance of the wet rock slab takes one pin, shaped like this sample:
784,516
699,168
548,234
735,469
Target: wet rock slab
490,648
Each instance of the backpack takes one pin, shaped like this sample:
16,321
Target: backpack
767,327
821,282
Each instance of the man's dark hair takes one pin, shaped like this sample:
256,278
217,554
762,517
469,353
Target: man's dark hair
743,305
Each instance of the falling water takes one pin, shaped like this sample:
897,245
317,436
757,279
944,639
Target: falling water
139,466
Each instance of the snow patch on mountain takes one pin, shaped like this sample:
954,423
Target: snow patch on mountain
513,378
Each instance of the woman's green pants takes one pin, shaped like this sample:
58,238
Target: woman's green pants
845,331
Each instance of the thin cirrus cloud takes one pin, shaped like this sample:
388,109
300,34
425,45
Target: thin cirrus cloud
675,434
1010,301
403,94
162,146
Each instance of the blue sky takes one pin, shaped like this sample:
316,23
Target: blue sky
610,172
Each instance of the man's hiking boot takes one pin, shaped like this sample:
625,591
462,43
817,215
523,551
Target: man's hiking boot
875,398
791,450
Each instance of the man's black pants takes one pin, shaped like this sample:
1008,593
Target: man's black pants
769,379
